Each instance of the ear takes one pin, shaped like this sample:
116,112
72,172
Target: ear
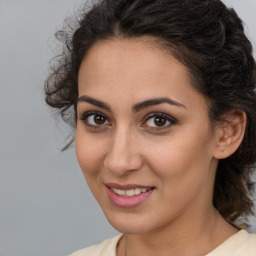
229,133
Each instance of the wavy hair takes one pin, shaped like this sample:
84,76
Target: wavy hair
209,39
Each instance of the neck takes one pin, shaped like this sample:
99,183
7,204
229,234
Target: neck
199,237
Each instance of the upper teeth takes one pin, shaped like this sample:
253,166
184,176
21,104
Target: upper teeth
130,192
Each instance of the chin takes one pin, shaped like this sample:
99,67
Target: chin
130,223
129,228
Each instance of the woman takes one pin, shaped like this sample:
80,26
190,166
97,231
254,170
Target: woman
162,97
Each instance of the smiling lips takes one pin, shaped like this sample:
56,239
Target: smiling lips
129,192
128,195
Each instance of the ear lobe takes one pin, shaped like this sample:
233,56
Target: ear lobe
230,133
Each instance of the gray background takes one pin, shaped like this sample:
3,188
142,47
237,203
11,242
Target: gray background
45,206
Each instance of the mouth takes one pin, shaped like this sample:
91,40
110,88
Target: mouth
128,195
130,192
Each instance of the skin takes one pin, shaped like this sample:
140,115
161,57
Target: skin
178,159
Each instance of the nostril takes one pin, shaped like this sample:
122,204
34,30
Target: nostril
122,166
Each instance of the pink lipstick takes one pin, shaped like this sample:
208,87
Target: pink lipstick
129,195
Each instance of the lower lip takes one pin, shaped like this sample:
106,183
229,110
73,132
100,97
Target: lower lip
128,201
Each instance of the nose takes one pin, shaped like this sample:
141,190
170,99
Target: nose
123,156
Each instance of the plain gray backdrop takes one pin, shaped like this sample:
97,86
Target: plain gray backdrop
46,208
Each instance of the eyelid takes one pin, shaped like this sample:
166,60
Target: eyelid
85,115
168,117
159,114
90,113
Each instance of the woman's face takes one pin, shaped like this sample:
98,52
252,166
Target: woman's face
143,138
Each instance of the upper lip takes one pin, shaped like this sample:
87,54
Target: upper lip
126,186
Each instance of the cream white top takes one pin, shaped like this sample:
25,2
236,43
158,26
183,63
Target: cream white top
240,244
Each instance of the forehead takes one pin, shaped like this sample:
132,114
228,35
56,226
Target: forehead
133,68
119,52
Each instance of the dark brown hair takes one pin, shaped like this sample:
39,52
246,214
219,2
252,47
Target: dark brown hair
204,35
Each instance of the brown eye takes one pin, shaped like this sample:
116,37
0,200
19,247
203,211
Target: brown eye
160,121
98,119
94,119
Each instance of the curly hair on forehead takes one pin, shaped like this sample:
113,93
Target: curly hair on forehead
204,35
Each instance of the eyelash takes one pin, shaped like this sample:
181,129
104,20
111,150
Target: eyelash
169,119
86,115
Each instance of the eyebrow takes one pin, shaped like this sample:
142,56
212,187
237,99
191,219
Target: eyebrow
155,101
136,108
94,102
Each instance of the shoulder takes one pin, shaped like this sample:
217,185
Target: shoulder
105,248
240,244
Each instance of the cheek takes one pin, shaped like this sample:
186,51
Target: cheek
89,153
182,168
181,158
